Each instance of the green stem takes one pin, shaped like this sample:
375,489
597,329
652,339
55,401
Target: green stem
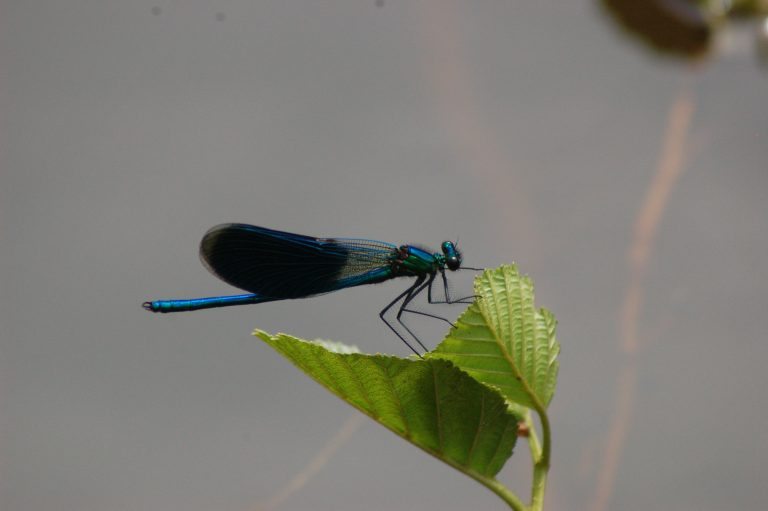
541,463
546,435
533,439
503,492
539,487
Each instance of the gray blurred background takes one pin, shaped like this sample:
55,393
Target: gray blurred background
534,132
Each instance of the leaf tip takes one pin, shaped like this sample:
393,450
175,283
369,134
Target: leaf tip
261,334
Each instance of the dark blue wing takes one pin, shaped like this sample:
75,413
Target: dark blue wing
286,265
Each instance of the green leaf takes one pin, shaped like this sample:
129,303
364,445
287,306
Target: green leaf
430,403
503,341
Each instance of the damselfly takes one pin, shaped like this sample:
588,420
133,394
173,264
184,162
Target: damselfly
273,265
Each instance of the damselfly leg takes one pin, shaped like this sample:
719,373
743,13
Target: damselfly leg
409,295
419,280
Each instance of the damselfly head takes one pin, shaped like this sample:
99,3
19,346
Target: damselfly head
452,255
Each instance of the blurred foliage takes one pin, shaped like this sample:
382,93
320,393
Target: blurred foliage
682,28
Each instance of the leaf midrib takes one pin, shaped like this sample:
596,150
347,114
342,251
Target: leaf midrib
510,361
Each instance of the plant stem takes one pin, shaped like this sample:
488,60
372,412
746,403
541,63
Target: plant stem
539,486
541,463
533,439
504,493
546,437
